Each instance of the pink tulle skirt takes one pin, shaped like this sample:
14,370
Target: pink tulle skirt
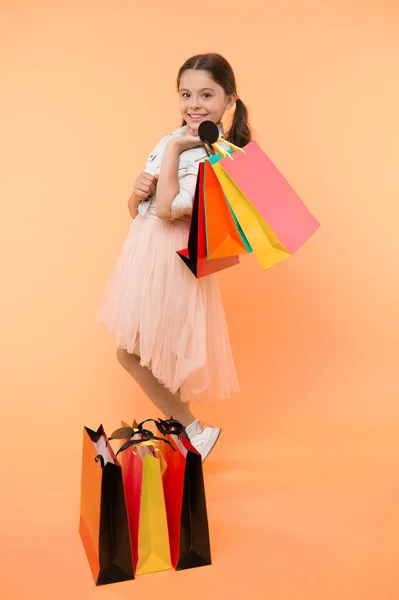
158,310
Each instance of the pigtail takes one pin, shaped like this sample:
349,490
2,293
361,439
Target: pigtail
240,132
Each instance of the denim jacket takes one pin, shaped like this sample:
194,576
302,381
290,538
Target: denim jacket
182,205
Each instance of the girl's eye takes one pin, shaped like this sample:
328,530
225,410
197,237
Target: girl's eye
206,95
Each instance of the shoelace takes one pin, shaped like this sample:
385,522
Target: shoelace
199,443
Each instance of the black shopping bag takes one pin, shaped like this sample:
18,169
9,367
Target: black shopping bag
103,524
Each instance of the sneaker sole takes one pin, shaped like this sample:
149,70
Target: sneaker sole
214,439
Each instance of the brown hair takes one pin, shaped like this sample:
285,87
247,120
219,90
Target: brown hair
222,73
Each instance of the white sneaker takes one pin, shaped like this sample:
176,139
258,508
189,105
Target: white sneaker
203,437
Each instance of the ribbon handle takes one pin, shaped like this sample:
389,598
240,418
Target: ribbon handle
100,459
209,149
123,433
147,438
209,135
231,145
224,152
168,427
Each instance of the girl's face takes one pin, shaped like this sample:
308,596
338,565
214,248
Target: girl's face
201,99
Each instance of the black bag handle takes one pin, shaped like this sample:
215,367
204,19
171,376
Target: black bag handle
130,443
167,427
123,433
129,432
208,133
100,459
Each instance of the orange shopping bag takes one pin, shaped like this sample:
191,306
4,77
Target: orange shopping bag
223,235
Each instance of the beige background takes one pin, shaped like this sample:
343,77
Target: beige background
303,487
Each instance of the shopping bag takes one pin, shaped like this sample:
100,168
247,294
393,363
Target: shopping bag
224,236
264,243
194,255
278,203
185,499
103,526
142,478
273,217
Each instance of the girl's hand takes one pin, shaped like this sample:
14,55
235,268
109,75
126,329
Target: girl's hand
185,142
144,186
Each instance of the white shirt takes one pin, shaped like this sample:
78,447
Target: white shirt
189,160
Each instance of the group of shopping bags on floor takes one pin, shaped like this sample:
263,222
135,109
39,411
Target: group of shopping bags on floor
243,204
143,507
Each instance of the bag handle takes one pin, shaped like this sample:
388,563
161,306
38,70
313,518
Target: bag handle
167,427
100,459
222,150
129,432
153,442
209,134
231,145
123,433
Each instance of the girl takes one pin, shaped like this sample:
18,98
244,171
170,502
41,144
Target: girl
170,327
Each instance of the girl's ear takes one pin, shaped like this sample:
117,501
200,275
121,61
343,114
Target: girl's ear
230,102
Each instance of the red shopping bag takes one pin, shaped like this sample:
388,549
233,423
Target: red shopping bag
195,255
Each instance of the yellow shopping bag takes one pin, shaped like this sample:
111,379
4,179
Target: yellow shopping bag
264,242
153,538
142,467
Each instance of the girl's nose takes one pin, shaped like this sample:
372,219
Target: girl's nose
194,103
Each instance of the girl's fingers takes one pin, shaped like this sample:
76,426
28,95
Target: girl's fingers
147,178
140,193
144,188
145,185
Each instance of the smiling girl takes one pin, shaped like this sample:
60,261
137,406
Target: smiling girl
170,328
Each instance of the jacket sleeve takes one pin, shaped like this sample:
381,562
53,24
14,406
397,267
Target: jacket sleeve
182,204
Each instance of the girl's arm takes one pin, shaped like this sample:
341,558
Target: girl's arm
168,186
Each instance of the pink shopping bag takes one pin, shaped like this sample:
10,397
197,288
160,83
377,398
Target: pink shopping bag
270,193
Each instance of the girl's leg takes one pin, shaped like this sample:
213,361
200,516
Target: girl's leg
169,404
